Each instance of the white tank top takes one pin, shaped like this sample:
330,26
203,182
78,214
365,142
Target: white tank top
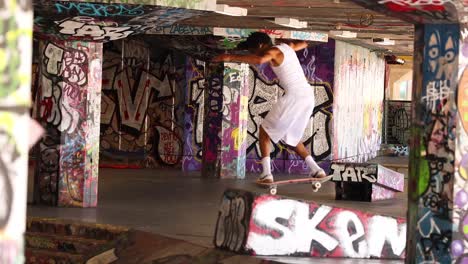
290,72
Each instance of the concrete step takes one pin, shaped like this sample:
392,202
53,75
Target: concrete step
65,244
40,256
73,229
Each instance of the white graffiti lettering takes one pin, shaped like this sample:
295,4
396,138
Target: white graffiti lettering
285,227
347,172
96,32
351,234
296,235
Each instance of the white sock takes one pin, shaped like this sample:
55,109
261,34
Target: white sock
266,166
311,163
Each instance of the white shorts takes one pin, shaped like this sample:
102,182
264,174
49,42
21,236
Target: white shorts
288,118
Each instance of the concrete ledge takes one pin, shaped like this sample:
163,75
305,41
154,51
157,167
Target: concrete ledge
260,224
366,182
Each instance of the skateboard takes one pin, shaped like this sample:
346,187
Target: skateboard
316,183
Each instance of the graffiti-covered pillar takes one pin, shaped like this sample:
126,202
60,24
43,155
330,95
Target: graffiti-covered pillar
69,107
235,120
16,18
225,121
431,215
212,122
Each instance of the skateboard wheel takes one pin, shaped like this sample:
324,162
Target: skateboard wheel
273,191
317,185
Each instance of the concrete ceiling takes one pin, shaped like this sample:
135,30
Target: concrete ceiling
321,15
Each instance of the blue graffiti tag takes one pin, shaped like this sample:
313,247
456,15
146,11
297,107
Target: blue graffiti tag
91,9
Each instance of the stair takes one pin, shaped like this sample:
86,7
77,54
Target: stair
61,241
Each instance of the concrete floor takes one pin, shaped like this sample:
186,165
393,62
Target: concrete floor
185,206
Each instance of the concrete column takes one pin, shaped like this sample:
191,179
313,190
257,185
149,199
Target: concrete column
15,86
69,101
212,121
235,120
432,215
194,114
225,122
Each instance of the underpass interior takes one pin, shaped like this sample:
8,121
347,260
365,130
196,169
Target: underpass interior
149,110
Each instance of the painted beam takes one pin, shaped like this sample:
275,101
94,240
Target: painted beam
417,11
274,33
105,21
260,225
208,5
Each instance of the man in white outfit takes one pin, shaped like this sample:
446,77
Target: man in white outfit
288,119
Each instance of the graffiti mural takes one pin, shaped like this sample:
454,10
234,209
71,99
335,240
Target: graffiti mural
264,91
233,221
142,106
285,227
432,168
16,18
359,74
103,21
68,106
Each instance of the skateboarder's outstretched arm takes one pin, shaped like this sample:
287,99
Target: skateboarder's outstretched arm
271,55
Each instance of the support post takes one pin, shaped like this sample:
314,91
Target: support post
69,101
226,120
433,146
235,120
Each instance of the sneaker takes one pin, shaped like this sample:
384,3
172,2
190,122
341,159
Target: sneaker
318,174
267,178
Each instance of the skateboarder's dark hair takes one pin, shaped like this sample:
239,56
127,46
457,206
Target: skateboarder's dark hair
254,40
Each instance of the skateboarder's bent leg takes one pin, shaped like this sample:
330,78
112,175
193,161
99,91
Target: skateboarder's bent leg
315,170
266,175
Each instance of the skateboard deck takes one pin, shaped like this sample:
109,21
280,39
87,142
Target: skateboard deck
316,183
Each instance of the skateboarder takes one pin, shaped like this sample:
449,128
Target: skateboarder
288,119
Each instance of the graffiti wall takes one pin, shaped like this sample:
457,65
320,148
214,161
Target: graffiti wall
68,103
272,225
458,247
432,168
15,98
142,106
264,90
357,125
